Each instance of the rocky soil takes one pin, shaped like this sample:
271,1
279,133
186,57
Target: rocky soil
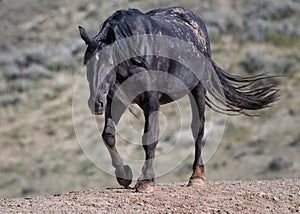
264,196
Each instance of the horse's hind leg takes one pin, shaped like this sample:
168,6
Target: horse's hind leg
123,173
197,99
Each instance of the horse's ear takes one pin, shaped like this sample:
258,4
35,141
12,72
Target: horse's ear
84,36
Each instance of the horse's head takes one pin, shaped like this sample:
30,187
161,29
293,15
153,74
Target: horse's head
100,72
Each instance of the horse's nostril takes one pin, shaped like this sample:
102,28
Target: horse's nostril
99,102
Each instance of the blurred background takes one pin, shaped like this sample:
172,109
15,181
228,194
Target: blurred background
40,60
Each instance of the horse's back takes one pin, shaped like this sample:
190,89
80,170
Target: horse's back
183,24
177,22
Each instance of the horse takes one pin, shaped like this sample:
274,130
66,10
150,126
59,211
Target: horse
241,94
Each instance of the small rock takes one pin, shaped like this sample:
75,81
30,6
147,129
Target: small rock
262,194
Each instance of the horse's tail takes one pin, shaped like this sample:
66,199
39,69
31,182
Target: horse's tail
241,94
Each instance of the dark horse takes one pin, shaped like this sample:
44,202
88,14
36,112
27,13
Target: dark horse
240,94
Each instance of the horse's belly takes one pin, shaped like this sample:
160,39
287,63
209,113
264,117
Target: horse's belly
168,98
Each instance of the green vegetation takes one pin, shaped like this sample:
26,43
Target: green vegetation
280,39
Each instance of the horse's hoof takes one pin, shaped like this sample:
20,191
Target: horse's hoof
126,180
144,186
197,182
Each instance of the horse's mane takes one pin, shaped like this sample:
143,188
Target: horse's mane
122,23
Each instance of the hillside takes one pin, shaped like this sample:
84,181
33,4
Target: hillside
41,60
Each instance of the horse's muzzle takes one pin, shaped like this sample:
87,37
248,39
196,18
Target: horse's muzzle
97,112
96,107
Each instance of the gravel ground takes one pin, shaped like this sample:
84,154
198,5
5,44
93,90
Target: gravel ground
266,196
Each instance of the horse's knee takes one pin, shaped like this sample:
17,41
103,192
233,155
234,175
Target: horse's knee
109,139
108,134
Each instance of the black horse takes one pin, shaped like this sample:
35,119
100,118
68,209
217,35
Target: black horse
182,24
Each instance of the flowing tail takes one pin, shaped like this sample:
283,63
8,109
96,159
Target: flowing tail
239,95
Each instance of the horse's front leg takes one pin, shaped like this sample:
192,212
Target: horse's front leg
123,172
150,107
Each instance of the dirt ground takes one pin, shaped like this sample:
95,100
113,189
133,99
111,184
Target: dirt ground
267,196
